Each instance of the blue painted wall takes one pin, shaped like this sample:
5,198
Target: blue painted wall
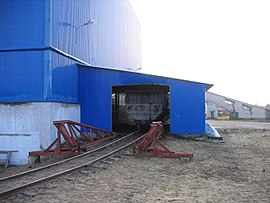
187,108
64,79
32,72
21,73
19,81
21,24
95,86
112,41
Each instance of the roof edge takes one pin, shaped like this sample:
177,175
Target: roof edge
236,100
207,85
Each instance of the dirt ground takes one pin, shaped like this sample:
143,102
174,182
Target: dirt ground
236,169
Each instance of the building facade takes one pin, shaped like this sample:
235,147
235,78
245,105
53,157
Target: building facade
61,59
221,107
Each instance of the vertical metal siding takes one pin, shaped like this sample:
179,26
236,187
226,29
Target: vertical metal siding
21,73
114,39
64,84
95,98
109,42
187,99
47,76
188,108
22,24
21,76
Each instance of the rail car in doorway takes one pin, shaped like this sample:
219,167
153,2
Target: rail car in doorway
142,104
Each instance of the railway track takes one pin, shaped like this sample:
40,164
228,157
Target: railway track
9,185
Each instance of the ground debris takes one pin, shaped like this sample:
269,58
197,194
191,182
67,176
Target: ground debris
29,194
84,172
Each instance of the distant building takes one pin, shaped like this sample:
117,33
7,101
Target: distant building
222,107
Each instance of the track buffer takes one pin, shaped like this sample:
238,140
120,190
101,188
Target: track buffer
74,138
150,146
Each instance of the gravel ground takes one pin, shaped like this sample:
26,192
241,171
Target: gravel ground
236,169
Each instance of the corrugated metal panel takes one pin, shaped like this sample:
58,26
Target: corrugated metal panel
109,42
95,98
187,108
37,76
64,79
114,39
35,25
22,24
95,89
21,76
21,72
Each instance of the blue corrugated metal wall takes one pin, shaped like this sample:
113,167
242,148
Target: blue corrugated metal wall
64,82
114,39
95,86
22,24
187,108
31,71
21,72
19,81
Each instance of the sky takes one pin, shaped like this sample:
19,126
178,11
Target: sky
225,43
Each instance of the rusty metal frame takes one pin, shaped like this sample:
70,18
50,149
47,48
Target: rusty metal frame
73,138
150,146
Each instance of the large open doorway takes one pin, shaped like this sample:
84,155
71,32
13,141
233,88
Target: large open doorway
138,105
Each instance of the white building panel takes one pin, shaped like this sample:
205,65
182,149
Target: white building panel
236,109
29,126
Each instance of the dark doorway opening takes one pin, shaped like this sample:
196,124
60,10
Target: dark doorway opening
136,106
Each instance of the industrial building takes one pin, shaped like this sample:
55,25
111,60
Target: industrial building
73,60
222,107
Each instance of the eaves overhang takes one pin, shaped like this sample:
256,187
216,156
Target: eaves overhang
207,85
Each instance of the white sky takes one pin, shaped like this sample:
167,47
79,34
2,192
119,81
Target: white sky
225,43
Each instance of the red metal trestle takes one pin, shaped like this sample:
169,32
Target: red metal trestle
150,146
73,138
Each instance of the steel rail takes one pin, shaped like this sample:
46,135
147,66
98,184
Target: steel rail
65,160
59,174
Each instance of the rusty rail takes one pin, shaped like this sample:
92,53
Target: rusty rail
56,175
66,160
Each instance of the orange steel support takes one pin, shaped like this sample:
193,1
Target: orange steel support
73,138
150,146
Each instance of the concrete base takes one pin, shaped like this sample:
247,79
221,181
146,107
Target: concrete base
29,126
